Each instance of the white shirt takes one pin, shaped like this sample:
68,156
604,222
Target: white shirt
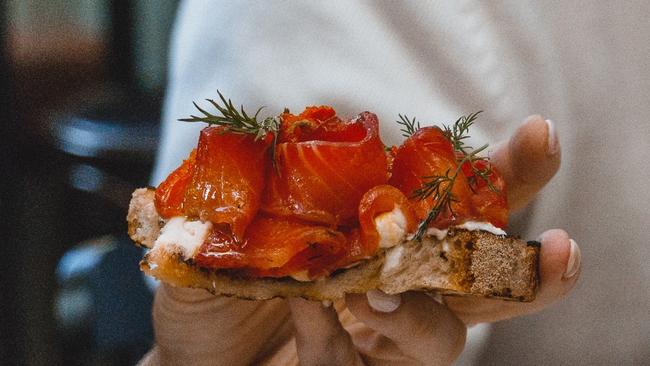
583,65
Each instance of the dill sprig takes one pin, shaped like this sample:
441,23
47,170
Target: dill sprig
410,126
239,122
235,120
458,132
443,198
440,187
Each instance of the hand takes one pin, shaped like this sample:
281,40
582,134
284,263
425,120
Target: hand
194,327
197,328
413,328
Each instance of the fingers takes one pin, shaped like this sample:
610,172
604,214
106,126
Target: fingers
559,270
320,337
195,327
528,160
382,302
422,329
560,261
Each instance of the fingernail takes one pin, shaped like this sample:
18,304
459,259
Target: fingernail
437,296
553,145
573,264
383,302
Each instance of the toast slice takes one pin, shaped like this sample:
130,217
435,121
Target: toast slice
465,263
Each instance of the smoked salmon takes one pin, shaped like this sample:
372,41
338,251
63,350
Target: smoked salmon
376,201
426,154
276,247
222,182
170,194
325,166
489,203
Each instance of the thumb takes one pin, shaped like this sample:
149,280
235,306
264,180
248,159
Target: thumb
528,160
320,337
423,330
194,327
559,270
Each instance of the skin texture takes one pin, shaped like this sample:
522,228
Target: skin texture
194,327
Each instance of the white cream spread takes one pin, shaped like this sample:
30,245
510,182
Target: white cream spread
468,225
445,246
391,227
185,235
439,234
393,259
485,226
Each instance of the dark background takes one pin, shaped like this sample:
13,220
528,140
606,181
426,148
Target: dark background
81,86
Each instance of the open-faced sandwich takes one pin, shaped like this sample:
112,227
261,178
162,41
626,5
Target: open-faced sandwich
315,206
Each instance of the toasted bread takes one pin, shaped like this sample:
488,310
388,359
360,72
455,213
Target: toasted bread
465,263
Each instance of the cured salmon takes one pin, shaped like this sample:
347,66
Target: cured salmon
170,194
325,166
376,201
425,154
221,182
488,203
276,247
429,153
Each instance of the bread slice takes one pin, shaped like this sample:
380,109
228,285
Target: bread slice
463,263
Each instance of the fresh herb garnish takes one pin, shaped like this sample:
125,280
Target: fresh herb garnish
235,121
238,121
456,135
458,132
410,126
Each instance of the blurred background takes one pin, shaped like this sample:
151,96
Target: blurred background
81,84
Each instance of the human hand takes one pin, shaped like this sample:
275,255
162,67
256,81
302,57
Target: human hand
413,328
194,327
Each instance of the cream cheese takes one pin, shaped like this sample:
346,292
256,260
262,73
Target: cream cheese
185,235
445,246
393,259
391,227
439,234
479,225
468,225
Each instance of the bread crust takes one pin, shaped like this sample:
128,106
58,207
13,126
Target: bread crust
464,263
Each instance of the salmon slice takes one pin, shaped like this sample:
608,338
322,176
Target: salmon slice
325,167
170,194
429,153
275,247
376,201
318,123
488,204
221,182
